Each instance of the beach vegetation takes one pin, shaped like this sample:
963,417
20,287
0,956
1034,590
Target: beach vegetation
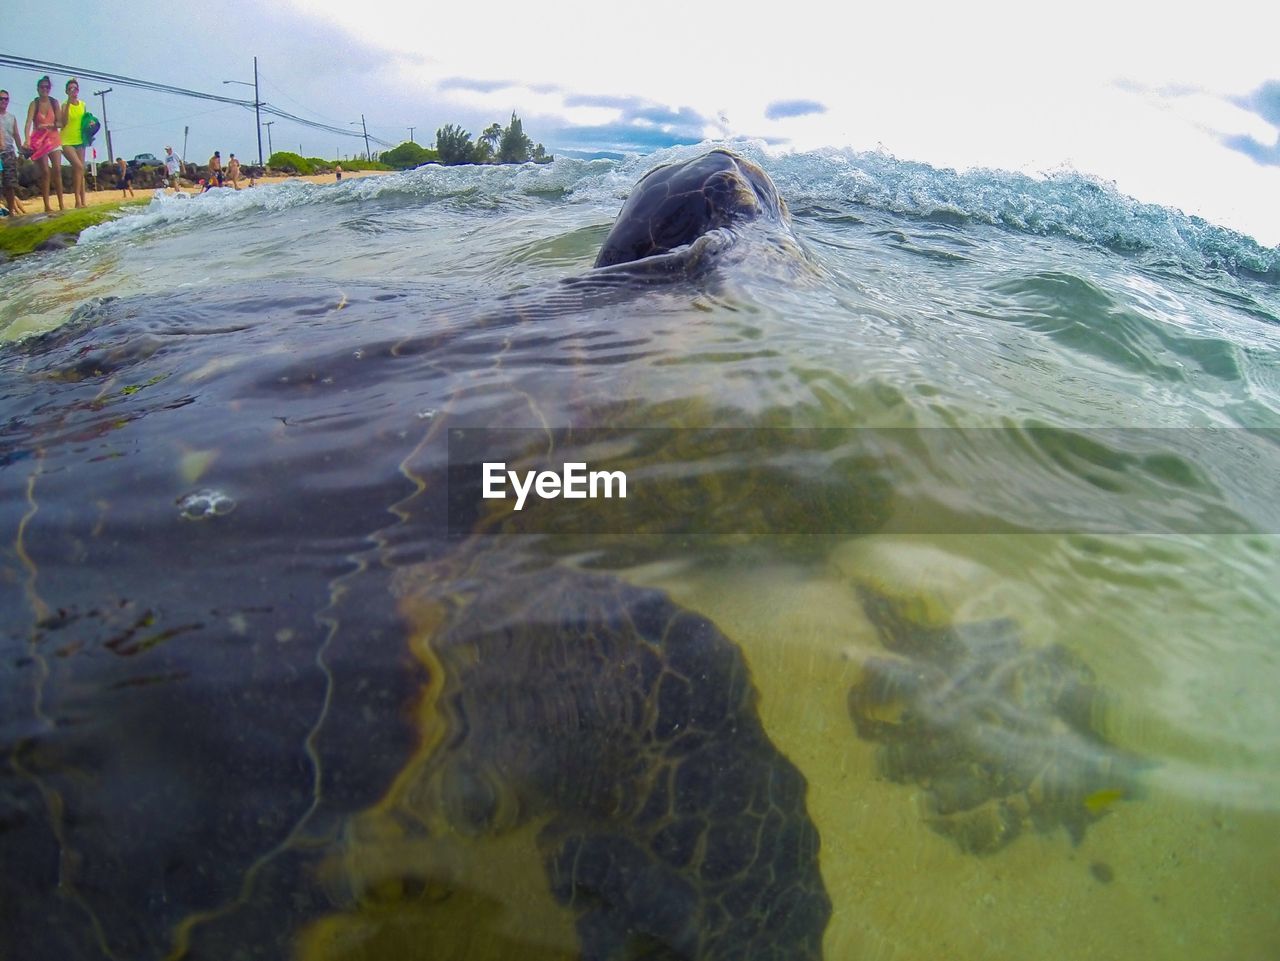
454,146
492,136
496,144
515,144
357,163
407,156
288,162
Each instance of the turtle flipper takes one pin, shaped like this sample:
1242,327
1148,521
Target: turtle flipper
628,727
1001,735
628,904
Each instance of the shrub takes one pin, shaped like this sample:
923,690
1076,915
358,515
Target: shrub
290,163
407,156
356,164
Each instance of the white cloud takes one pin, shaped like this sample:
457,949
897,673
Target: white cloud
986,84
530,102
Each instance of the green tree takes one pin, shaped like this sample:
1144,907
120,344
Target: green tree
483,152
514,148
407,156
540,155
492,136
453,144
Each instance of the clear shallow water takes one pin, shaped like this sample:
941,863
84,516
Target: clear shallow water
239,685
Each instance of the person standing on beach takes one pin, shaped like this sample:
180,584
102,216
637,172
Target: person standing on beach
173,166
337,171
233,171
10,148
42,137
71,118
126,179
215,169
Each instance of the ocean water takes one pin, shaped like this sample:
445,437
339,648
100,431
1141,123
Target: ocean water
1035,419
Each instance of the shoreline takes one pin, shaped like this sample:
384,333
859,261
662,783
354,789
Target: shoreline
27,233
97,198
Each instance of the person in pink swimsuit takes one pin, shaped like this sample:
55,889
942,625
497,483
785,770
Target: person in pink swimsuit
43,139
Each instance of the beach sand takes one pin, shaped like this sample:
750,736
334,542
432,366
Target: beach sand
110,196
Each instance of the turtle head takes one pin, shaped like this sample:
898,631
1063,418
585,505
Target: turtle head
676,204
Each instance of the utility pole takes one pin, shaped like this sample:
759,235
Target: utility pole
257,105
103,94
185,130
368,155
268,124
410,135
257,112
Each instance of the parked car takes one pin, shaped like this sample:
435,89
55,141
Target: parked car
145,160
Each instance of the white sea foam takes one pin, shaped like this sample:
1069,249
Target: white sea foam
1059,203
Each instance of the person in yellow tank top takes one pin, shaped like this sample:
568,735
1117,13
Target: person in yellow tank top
71,118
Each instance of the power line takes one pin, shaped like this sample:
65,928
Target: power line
169,120
268,85
44,65
26,63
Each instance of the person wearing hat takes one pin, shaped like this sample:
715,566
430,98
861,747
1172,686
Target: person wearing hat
215,168
173,166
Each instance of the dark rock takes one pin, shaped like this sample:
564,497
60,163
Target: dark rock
56,242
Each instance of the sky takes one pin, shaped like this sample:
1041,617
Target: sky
1179,107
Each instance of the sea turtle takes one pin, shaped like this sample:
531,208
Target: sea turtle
1000,735
686,207
256,636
